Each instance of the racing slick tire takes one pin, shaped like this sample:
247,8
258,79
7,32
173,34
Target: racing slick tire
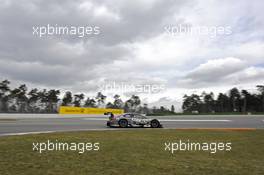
123,123
155,124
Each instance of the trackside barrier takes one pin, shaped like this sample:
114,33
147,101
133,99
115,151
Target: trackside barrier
79,110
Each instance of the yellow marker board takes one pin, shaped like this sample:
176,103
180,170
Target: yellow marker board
79,110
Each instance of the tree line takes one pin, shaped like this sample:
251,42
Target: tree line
234,101
22,100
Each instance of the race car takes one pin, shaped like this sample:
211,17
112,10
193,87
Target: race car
131,120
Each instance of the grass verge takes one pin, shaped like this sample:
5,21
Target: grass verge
135,152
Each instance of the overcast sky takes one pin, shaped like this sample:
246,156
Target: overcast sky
134,46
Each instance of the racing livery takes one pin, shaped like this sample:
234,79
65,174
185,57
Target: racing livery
131,120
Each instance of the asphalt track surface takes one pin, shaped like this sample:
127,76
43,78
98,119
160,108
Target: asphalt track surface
20,124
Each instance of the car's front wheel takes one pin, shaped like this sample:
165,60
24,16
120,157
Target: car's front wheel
123,123
155,124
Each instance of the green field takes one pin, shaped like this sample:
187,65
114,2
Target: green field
135,152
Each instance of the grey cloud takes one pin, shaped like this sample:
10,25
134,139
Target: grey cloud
18,44
220,72
80,63
216,69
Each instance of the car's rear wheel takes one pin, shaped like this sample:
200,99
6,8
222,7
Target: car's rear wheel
123,123
155,124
